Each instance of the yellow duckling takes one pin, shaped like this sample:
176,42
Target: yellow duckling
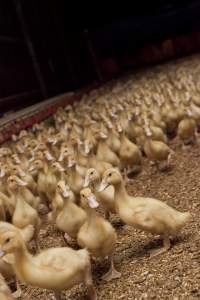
3,206
31,184
157,152
24,214
6,268
75,178
55,269
148,214
4,174
187,129
129,153
104,153
97,234
106,197
46,180
93,161
28,196
69,217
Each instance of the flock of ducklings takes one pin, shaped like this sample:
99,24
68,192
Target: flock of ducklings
81,160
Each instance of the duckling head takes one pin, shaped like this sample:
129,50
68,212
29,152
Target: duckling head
19,148
92,175
87,146
63,189
57,168
5,151
16,170
48,155
10,242
36,165
3,170
16,158
64,153
111,176
88,199
14,182
71,161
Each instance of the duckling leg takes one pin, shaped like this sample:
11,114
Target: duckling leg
57,295
18,292
126,178
107,215
112,272
37,246
166,247
89,283
67,238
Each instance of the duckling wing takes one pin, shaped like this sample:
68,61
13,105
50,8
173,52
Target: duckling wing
154,215
56,258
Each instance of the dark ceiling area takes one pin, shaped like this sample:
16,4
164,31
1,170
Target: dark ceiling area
48,48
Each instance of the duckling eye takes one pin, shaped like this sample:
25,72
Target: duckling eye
7,240
92,173
110,174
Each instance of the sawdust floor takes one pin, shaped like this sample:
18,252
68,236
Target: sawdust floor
173,275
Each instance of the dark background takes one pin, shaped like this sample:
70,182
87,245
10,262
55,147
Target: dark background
49,47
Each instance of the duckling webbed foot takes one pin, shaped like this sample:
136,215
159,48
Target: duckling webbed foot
68,240
107,215
165,248
112,273
126,178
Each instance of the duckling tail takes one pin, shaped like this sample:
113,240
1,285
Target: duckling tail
184,218
27,233
84,253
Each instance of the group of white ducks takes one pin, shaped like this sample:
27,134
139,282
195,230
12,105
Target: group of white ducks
79,160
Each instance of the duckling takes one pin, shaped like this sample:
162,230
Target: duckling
75,179
68,216
21,156
6,268
93,161
80,157
4,174
58,170
24,214
97,234
26,232
24,191
104,153
106,197
187,130
31,184
143,213
113,138
129,153
157,152
46,180
55,269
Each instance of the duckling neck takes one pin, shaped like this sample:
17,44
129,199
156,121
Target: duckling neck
120,191
45,168
96,184
26,269
20,254
91,215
